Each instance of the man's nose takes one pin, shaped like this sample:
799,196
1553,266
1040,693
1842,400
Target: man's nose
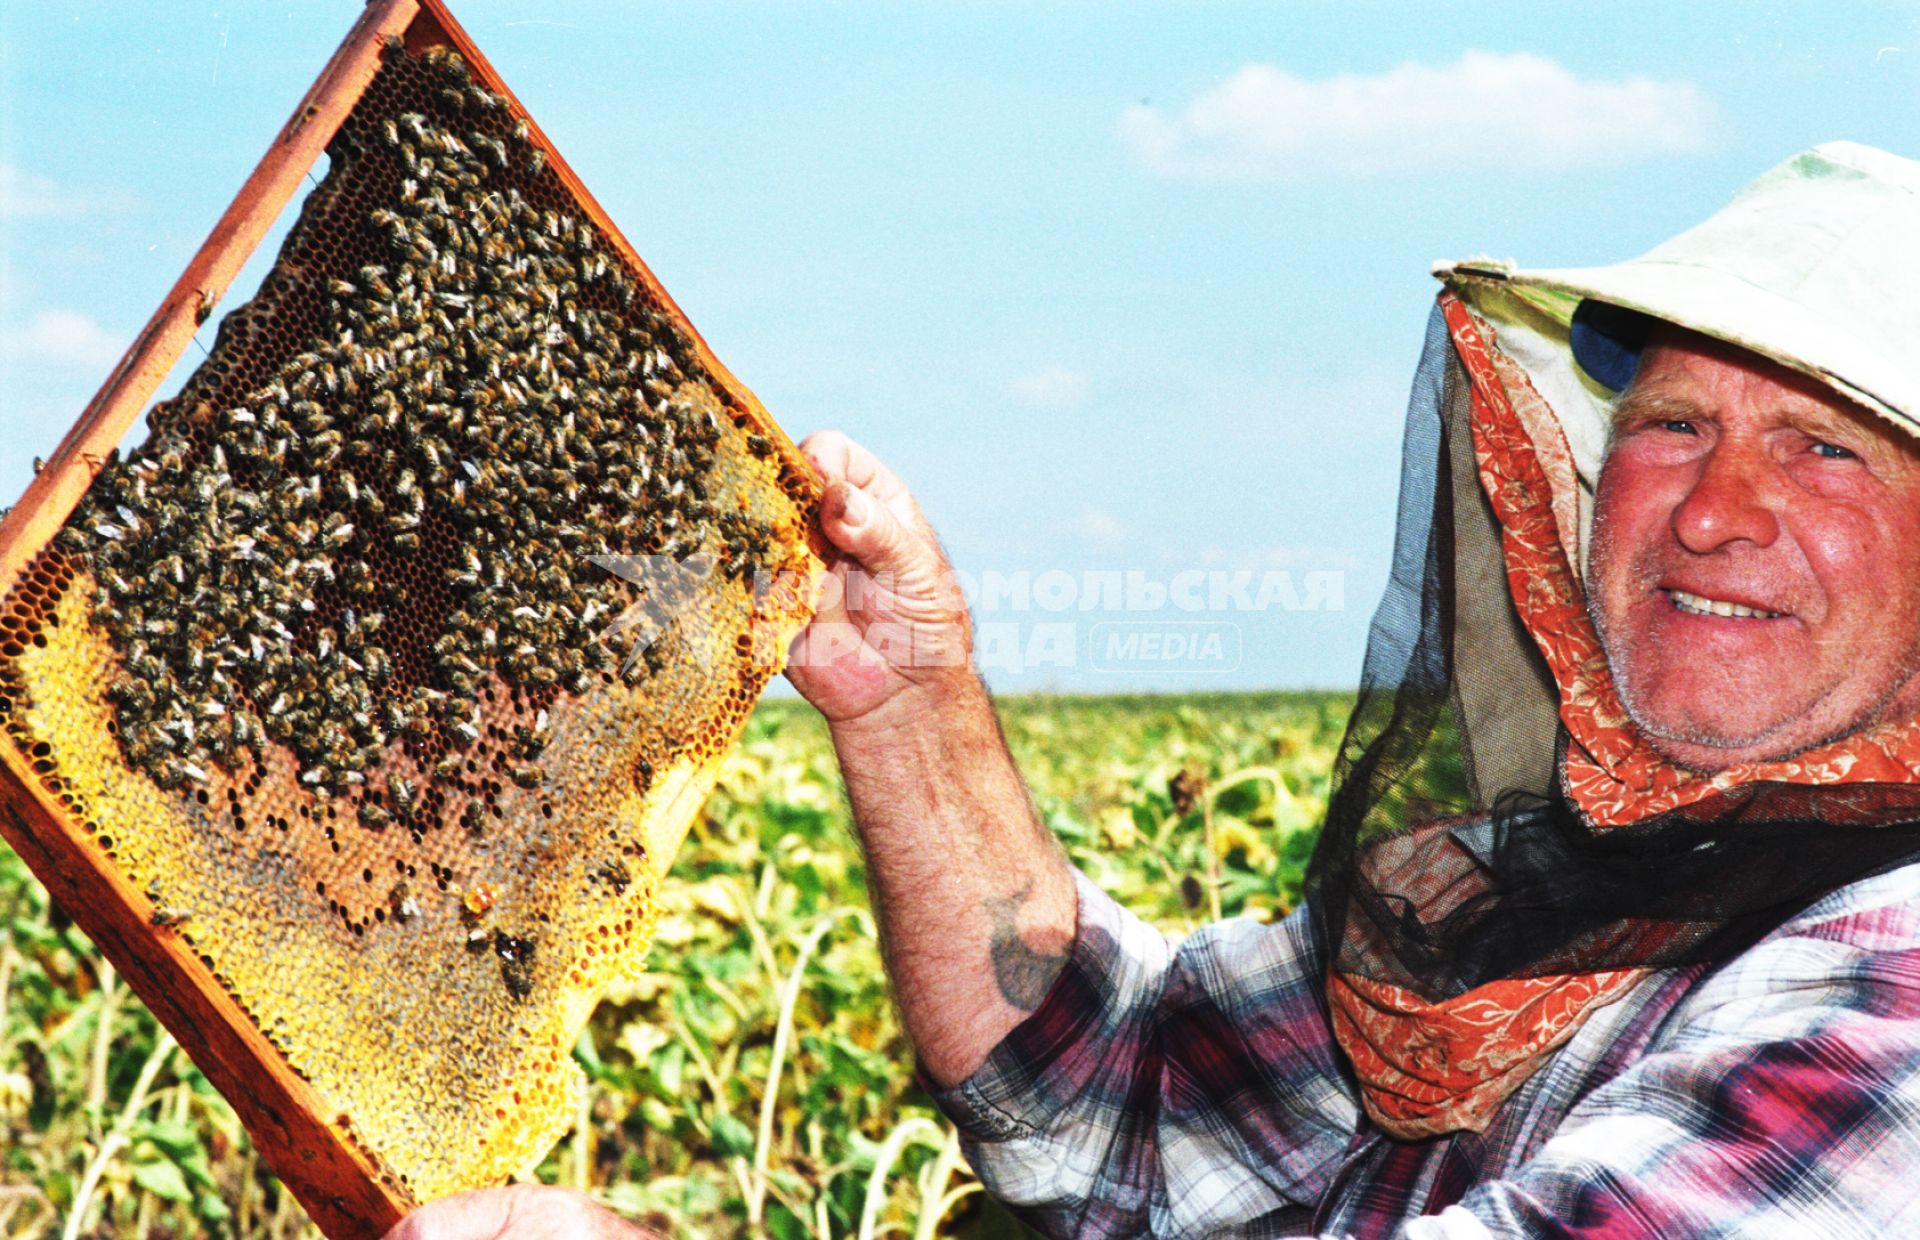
1729,501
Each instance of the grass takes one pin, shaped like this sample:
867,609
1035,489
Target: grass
755,1080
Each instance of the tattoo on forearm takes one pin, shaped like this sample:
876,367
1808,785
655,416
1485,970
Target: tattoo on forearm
1024,974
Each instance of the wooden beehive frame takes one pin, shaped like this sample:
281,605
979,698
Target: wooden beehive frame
304,1145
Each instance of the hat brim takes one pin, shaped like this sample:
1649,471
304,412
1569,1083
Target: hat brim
1715,304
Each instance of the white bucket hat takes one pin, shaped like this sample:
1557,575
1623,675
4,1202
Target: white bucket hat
1815,265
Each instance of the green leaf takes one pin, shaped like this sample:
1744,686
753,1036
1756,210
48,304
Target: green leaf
669,1069
162,1179
783,1225
177,1139
731,1137
1241,800
587,1055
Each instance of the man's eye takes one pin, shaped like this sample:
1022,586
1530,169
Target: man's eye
1831,451
1679,426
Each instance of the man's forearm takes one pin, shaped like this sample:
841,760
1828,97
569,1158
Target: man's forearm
974,898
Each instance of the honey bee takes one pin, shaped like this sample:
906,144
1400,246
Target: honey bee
516,962
496,153
402,791
614,873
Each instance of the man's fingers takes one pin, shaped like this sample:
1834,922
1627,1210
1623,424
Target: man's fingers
517,1212
892,611
839,458
869,531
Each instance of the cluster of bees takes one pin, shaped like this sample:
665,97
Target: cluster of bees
496,398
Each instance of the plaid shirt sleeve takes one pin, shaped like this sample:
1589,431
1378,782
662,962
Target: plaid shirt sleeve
1149,1091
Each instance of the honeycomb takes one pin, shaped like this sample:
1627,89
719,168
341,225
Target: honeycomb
393,664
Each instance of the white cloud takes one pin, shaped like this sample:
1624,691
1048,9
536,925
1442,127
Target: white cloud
1052,387
64,338
1484,110
24,193
1098,526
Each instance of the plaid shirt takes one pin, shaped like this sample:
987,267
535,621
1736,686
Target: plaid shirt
1197,1092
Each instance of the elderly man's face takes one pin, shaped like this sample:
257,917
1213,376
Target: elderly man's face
1755,570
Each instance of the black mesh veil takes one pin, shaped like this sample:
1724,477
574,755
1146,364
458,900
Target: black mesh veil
1450,857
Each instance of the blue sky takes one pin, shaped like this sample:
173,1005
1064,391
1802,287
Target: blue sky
1113,286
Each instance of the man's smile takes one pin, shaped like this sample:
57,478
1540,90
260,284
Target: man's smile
1702,605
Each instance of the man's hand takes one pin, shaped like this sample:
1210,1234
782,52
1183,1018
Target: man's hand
517,1212
975,902
892,627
